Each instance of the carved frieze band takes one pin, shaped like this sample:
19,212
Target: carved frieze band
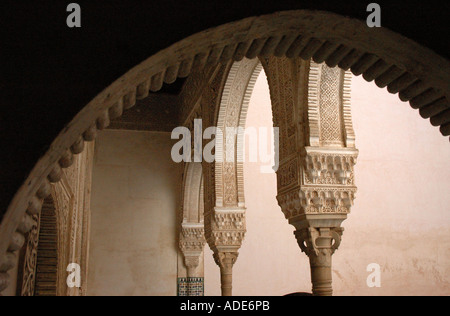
326,186
329,168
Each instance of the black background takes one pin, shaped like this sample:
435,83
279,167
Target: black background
49,72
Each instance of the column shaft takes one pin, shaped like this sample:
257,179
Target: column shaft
321,277
226,279
226,260
320,244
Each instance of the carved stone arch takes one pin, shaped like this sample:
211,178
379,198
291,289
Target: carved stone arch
416,73
224,183
232,114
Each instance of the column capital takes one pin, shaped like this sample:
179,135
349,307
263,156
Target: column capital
325,182
228,230
192,239
226,260
319,242
191,262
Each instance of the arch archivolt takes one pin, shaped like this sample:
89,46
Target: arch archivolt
417,74
232,115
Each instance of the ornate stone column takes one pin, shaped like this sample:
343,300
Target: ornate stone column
228,231
191,231
226,260
229,94
318,208
319,245
311,106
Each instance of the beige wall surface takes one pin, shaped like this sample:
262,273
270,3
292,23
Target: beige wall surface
135,196
400,220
